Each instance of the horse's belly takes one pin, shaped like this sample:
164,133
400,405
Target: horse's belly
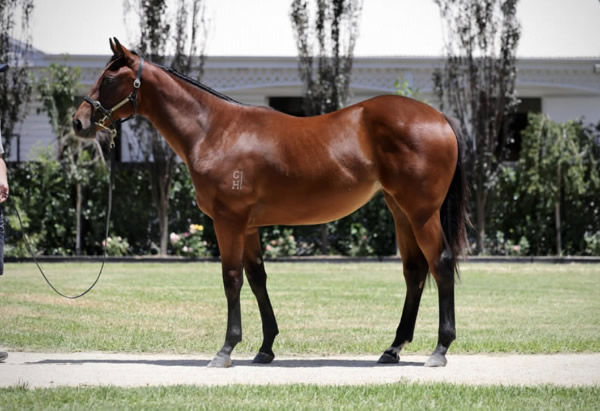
313,206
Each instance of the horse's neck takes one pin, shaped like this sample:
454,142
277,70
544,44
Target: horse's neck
181,112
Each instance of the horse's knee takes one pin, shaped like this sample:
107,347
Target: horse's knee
444,272
233,281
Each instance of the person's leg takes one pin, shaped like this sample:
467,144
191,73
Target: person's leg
1,243
3,355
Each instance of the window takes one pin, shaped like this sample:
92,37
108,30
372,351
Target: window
288,105
518,123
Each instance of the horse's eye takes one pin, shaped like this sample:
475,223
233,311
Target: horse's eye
107,81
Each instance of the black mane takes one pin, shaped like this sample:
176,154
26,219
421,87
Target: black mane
196,83
183,77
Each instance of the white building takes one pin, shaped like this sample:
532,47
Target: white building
564,89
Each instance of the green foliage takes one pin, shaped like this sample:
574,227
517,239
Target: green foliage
592,243
552,159
405,89
57,88
116,246
558,169
521,212
366,232
79,158
278,242
16,83
189,243
44,192
164,33
477,83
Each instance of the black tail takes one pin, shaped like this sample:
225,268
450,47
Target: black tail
454,209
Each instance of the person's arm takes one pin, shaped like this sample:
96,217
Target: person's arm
3,181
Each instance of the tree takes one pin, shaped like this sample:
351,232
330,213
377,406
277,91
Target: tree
15,85
557,166
477,82
57,88
187,50
325,67
404,88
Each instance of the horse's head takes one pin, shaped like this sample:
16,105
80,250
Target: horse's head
113,96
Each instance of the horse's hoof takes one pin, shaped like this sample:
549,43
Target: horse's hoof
389,357
436,360
263,358
220,361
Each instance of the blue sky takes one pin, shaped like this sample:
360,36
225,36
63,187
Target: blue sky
551,28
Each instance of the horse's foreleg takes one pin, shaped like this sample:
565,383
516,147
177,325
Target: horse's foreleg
231,245
257,278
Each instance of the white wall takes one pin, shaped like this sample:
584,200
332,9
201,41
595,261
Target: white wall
572,108
36,135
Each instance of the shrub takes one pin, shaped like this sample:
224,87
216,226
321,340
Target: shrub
116,246
189,243
279,243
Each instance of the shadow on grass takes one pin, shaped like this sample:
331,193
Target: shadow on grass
284,363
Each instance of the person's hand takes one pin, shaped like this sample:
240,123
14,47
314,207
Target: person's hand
3,192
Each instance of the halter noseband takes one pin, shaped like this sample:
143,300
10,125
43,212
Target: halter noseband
131,98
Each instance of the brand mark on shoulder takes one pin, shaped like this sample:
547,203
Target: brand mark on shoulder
238,180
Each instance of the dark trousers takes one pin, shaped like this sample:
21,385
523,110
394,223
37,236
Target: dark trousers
1,241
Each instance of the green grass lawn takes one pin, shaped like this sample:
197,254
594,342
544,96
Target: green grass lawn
401,396
321,309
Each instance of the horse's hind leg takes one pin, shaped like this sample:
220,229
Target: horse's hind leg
257,278
415,272
430,237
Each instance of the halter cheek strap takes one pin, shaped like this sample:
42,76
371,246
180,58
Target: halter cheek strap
131,98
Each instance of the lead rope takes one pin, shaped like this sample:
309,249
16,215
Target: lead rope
108,213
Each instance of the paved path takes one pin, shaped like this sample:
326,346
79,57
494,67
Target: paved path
129,370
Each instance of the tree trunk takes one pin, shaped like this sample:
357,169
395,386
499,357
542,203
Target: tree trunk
480,228
163,223
557,222
324,239
78,202
558,228
161,187
162,190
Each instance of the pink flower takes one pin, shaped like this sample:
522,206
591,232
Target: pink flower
174,238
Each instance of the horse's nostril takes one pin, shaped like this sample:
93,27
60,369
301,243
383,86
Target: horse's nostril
77,125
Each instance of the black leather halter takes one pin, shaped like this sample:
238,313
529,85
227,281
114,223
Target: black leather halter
131,98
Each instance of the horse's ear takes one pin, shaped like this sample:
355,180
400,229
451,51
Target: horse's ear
119,49
112,46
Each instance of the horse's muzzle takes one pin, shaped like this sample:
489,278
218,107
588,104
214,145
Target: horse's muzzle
82,124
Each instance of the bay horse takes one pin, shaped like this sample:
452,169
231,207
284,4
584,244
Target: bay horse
254,166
